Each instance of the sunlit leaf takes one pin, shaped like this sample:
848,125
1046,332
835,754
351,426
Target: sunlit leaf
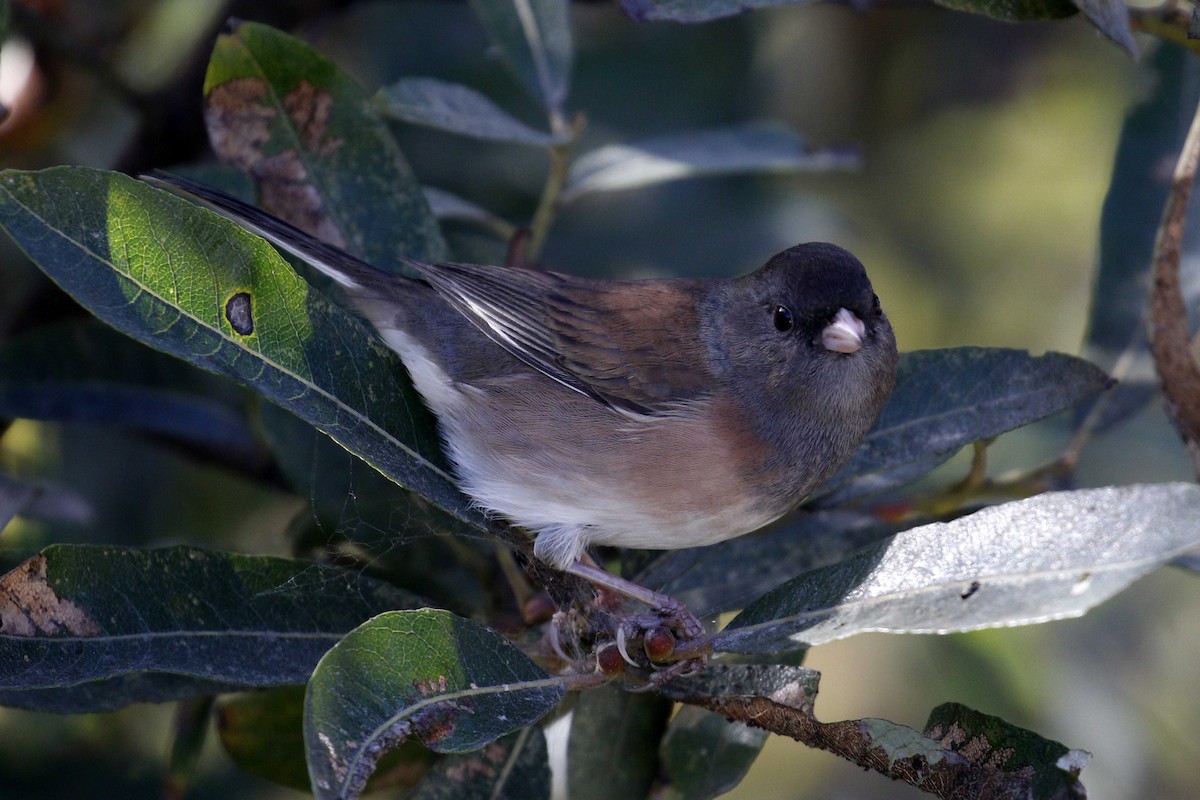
745,149
75,614
1052,556
448,681
190,283
729,575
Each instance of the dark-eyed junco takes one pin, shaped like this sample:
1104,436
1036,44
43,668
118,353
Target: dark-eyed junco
656,413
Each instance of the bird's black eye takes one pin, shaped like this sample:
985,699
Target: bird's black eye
783,319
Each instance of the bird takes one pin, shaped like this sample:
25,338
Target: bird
659,414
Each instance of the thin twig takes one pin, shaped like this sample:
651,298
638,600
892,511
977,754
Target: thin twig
1170,338
543,216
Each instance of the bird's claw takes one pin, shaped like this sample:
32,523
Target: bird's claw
658,633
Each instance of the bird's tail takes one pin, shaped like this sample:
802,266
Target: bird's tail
351,272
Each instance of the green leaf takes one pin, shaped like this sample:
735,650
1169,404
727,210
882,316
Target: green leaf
1110,17
399,533
307,134
612,750
706,755
190,729
946,399
458,109
1152,135
516,767
449,681
1049,557
112,694
743,149
195,285
1015,10
534,37
1052,768
81,371
263,732
695,10
75,614
729,575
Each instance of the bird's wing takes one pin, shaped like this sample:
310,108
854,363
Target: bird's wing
634,345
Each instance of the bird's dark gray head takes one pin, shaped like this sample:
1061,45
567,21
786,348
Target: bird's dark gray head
804,345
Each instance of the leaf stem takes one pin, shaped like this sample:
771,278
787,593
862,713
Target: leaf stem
543,216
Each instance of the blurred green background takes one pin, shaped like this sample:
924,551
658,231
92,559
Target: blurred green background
987,149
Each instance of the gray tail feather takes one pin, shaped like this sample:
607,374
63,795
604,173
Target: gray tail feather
348,270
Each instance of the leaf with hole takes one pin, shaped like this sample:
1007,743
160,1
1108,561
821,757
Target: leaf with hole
165,272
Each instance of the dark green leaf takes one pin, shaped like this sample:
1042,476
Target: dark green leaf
306,133
695,10
1151,137
190,731
448,681
263,732
946,399
534,37
612,750
400,534
706,755
1052,556
1015,10
168,273
744,149
458,109
81,371
1052,768
728,576
77,614
111,694
516,767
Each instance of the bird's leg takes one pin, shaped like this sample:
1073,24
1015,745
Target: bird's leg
668,621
